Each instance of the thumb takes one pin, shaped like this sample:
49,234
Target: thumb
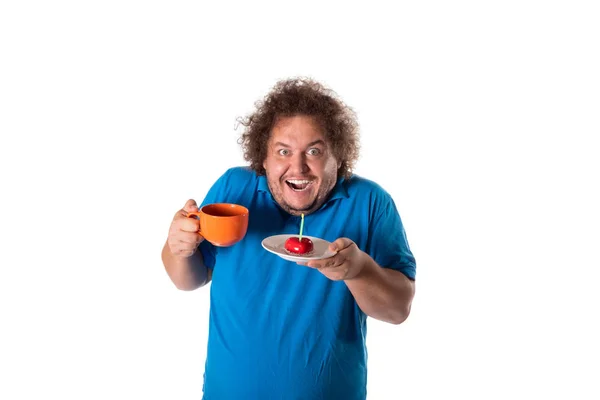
340,244
190,206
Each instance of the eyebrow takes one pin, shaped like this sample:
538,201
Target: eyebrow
310,144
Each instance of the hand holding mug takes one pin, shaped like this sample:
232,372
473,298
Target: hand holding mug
183,239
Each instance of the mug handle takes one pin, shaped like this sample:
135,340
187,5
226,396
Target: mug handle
195,214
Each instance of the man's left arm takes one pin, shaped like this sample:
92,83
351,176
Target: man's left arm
381,293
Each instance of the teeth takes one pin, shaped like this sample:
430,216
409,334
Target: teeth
299,185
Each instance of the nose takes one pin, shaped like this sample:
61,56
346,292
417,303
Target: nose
298,163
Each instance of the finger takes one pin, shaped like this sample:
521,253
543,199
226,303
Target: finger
183,251
186,253
185,246
311,264
188,225
177,247
328,263
190,206
189,237
340,244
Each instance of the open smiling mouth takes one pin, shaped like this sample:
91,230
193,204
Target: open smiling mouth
298,185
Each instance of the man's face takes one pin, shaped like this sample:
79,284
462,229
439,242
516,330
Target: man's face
300,167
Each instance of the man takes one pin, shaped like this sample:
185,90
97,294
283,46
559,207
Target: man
278,329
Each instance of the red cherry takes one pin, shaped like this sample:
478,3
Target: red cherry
295,245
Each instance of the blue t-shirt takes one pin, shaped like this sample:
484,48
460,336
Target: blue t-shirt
279,330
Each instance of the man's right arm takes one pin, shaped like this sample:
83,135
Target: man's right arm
187,273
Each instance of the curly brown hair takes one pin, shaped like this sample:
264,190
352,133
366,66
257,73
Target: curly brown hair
302,96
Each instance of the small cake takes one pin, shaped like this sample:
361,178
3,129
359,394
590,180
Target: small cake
299,246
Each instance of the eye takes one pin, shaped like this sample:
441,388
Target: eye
284,152
314,151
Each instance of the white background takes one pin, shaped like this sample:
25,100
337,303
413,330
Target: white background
478,118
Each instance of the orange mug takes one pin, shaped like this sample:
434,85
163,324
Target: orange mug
222,224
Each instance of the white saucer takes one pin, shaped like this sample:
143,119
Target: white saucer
276,245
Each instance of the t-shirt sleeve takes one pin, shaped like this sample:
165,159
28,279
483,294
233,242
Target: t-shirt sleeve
389,244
